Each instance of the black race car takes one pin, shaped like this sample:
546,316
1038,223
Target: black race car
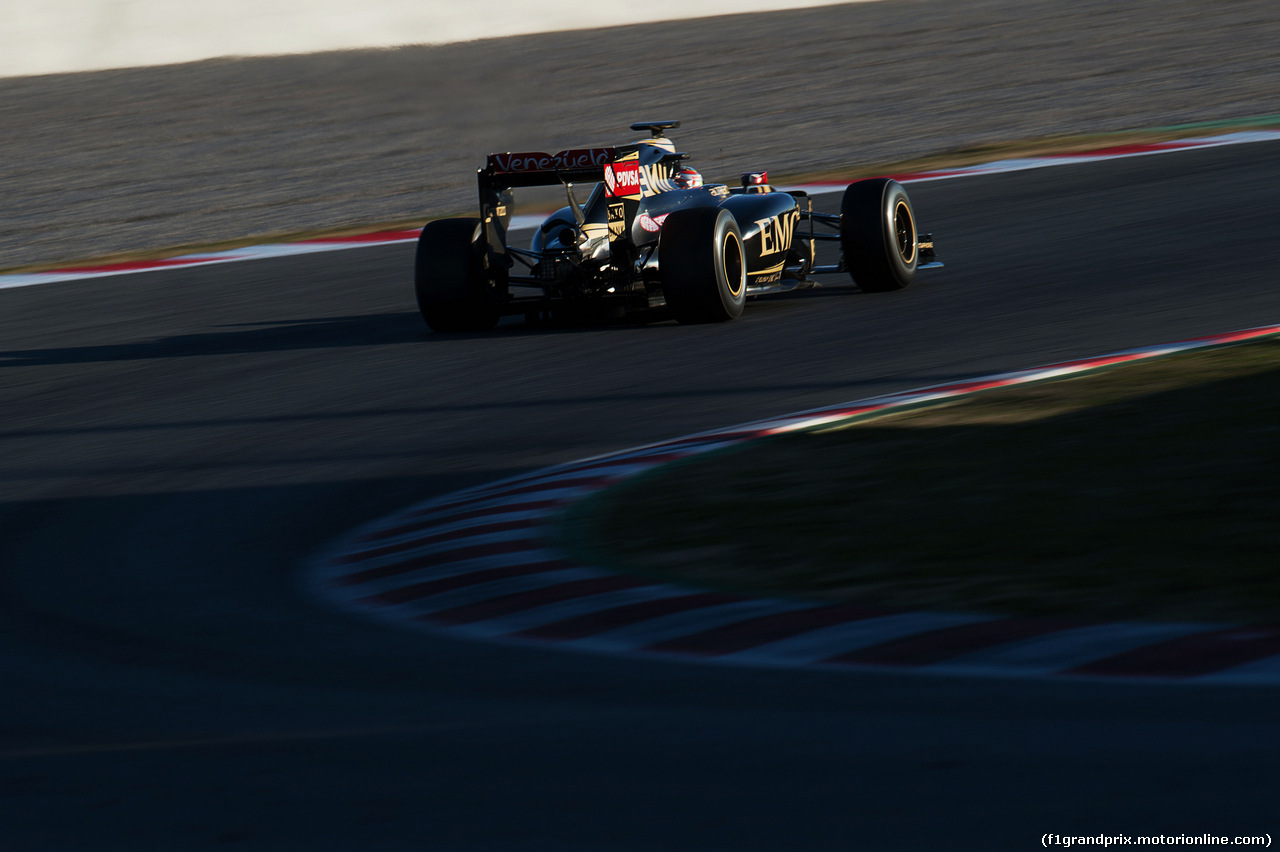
653,240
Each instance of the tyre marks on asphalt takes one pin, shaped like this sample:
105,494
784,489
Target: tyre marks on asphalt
484,563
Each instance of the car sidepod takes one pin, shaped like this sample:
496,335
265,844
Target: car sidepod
768,222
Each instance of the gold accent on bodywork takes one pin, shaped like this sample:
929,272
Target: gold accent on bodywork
899,210
741,279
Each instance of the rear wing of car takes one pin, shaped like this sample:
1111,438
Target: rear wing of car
618,168
534,168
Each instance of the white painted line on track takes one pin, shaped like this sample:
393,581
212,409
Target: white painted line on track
827,642
450,544
484,592
277,250
1265,671
535,594
563,610
454,568
1066,649
392,537
678,625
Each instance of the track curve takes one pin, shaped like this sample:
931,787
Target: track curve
177,444
491,563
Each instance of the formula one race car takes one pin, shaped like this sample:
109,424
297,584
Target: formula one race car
652,239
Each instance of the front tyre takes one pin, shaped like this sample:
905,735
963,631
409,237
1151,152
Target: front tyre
878,235
448,275
704,270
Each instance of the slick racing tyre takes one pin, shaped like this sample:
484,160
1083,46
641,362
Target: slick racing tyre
704,270
453,293
878,235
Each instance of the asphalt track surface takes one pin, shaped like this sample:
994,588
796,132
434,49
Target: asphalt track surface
177,445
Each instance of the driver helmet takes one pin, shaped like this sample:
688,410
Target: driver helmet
687,178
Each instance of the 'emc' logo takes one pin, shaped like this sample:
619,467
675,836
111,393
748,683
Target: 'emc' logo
776,232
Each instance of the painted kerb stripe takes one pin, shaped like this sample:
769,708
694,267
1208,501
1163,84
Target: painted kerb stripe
508,582
274,250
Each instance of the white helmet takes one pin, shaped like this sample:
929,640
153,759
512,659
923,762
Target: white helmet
687,178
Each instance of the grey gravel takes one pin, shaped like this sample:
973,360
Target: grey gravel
140,159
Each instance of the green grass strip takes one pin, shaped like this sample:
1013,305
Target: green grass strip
1145,491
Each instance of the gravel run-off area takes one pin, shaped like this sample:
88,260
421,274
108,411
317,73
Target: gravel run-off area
98,164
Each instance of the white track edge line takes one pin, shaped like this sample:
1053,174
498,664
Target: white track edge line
267,251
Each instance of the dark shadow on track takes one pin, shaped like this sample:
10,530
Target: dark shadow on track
320,333
95,595
850,390
768,303
383,329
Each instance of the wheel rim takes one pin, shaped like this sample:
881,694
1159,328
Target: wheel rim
733,268
904,231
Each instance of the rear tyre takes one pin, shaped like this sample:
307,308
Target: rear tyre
878,235
704,270
448,275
